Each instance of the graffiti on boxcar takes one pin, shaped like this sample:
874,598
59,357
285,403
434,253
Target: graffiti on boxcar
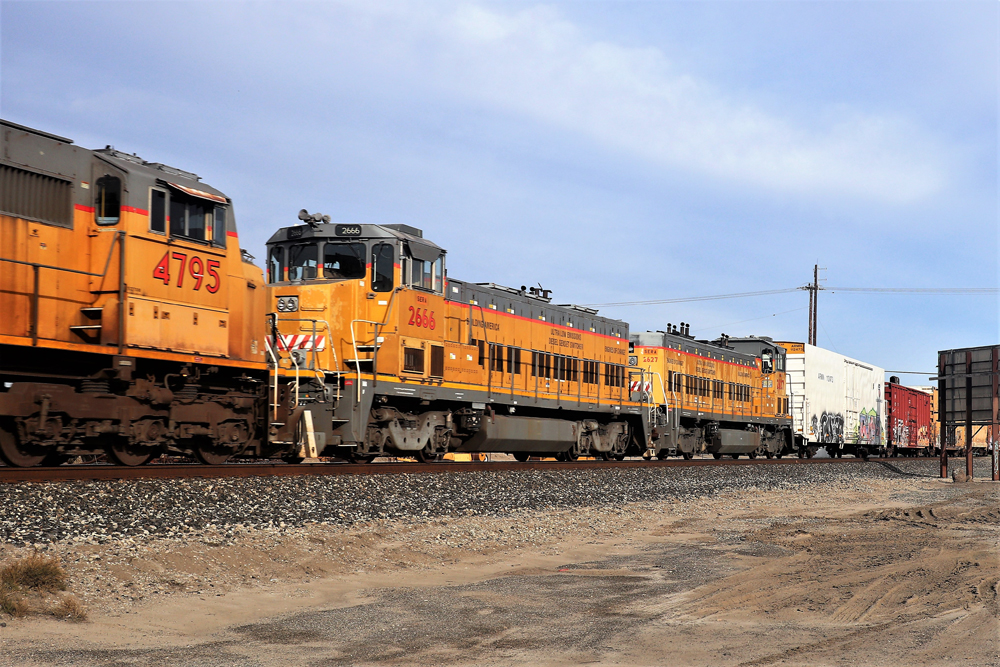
828,427
900,433
869,427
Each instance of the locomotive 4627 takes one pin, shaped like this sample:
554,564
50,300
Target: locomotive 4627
135,325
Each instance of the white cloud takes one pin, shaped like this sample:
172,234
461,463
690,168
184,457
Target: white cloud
537,64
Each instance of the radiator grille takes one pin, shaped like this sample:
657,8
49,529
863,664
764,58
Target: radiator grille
32,196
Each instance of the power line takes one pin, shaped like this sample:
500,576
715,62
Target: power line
714,297
951,291
752,319
917,290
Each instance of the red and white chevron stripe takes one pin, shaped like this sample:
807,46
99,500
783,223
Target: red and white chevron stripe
300,342
636,385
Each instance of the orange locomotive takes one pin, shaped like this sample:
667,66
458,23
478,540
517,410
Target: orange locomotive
131,319
387,354
134,325
724,397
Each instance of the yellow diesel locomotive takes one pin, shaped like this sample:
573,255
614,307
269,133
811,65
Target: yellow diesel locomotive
132,323
723,397
390,355
135,325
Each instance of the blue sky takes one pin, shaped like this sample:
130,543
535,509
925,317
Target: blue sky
611,151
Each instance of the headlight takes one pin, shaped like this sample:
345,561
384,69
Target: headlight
288,304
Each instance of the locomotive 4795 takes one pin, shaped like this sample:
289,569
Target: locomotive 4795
134,325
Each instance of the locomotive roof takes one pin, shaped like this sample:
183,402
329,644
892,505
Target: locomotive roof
355,231
67,163
688,344
156,171
491,294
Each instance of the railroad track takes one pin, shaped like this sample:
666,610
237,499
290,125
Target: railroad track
183,470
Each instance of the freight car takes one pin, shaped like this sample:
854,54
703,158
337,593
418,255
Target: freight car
909,430
725,397
969,398
836,402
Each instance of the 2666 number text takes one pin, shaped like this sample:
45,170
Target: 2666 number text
419,317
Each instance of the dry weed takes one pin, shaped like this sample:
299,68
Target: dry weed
36,572
11,602
27,584
69,608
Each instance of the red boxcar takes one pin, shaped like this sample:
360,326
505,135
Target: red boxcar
908,420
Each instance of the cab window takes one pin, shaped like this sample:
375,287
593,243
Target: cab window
276,265
425,275
303,260
157,211
107,205
189,216
344,260
382,266
219,227
766,361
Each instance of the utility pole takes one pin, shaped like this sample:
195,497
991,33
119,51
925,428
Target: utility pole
813,289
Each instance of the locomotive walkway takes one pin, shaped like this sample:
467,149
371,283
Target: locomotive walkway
193,470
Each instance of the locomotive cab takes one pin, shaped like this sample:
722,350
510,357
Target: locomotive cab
123,279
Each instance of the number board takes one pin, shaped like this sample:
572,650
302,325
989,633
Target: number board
347,230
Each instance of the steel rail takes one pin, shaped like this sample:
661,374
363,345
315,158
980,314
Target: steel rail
90,472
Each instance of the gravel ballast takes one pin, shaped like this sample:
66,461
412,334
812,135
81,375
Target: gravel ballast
101,512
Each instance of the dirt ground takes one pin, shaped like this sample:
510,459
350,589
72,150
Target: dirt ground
903,572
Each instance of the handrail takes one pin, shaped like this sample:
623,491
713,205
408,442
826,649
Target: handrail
354,346
270,352
320,373
119,237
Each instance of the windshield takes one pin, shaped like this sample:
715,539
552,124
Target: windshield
344,260
302,261
276,265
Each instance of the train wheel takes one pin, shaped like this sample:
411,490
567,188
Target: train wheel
426,455
569,456
717,456
734,456
521,456
125,454
291,459
811,452
768,453
779,454
11,451
687,455
752,455
210,454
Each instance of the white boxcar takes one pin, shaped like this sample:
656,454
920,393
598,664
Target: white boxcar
836,402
